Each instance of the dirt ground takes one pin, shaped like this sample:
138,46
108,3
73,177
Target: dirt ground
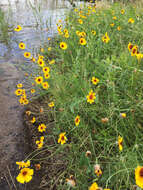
11,127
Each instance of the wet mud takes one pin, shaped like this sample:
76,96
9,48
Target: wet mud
11,125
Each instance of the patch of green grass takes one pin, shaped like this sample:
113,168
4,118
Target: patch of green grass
118,91
4,27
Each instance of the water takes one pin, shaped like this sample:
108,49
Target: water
38,22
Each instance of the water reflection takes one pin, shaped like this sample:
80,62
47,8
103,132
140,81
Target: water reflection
48,4
38,19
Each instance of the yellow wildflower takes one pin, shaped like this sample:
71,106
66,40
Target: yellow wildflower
118,28
45,85
114,18
63,45
122,11
93,32
51,104
66,35
25,175
94,186
80,21
23,164
18,92
105,38
27,54
19,85
32,91
46,75
123,115
42,50
21,45
130,46
77,120
52,61
42,128
112,24
46,69
97,170
91,97
139,176
62,138
41,62
39,80
131,20
33,120
82,41
134,51
94,80
18,28
120,143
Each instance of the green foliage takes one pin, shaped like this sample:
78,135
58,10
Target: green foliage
119,91
4,36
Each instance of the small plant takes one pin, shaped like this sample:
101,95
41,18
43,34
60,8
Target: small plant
4,28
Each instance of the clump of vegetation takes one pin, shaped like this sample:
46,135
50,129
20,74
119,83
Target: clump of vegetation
4,27
91,80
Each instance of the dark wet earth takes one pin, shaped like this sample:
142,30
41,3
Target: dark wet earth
11,128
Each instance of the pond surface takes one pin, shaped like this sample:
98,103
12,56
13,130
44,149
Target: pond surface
38,19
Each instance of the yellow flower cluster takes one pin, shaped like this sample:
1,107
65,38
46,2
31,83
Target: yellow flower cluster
26,173
22,93
133,49
40,142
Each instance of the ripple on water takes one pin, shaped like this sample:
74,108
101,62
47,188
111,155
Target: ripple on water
36,27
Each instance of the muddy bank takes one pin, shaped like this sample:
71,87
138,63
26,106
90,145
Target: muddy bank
11,126
50,157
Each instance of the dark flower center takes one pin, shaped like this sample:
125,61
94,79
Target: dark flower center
141,172
121,143
24,173
134,50
98,171
76,119
91,97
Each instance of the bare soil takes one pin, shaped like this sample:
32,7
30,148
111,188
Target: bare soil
52,165
11,127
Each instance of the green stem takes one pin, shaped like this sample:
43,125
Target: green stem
116,174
